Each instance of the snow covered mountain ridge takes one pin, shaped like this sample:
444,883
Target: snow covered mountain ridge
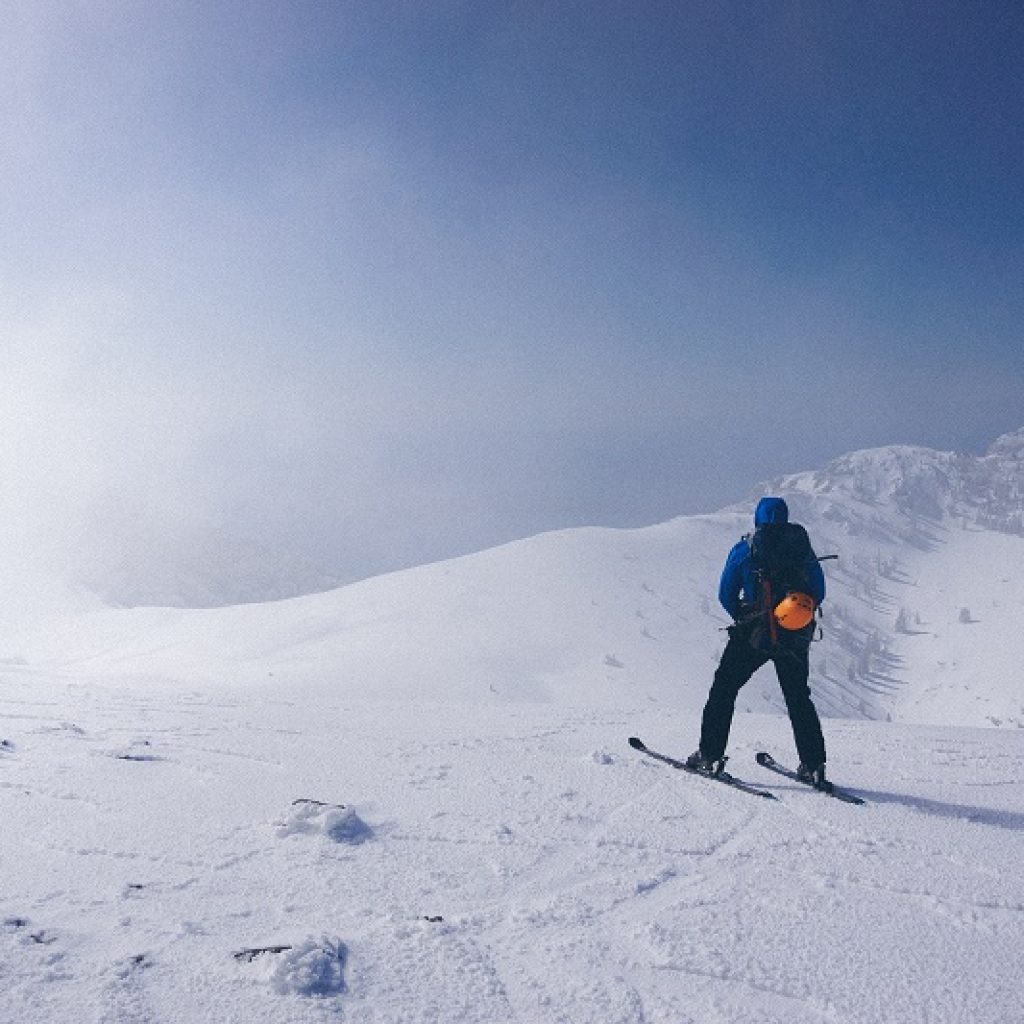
924,601
901,486
921,623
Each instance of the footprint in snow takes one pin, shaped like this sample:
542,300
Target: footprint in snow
124,994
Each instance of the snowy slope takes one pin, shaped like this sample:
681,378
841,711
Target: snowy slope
577,617
921,624
493,863
474,842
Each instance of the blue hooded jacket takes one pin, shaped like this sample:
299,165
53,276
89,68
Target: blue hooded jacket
738,574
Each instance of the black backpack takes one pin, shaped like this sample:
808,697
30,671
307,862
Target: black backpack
780,554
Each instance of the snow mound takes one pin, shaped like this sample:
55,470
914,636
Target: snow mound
313,968
337,822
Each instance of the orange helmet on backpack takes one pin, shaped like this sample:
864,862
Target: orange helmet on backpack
795,610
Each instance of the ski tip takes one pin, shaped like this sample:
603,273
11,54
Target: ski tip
636,743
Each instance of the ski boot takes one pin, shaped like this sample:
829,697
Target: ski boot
813,775
697,762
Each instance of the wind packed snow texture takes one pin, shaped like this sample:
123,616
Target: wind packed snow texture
524,865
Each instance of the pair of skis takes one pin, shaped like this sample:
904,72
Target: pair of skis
763,759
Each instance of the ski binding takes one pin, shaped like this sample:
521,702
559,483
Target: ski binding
724,777
766,760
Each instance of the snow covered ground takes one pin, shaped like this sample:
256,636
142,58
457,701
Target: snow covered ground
412,800
492,863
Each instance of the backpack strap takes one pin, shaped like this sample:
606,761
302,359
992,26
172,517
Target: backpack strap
769,609
763,599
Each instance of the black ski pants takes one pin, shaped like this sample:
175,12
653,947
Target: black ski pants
739,662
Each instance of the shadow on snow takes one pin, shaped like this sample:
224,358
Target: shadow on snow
1012,820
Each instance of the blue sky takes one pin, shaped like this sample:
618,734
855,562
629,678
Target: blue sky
376,283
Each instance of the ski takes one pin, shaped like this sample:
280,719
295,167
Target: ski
724,777
769,762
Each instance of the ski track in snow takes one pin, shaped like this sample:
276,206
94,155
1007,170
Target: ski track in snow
518,863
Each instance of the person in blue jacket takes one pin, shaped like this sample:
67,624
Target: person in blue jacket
749,648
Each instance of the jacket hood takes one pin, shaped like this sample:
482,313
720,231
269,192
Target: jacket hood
771,510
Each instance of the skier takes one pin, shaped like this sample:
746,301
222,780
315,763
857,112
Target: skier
771,585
